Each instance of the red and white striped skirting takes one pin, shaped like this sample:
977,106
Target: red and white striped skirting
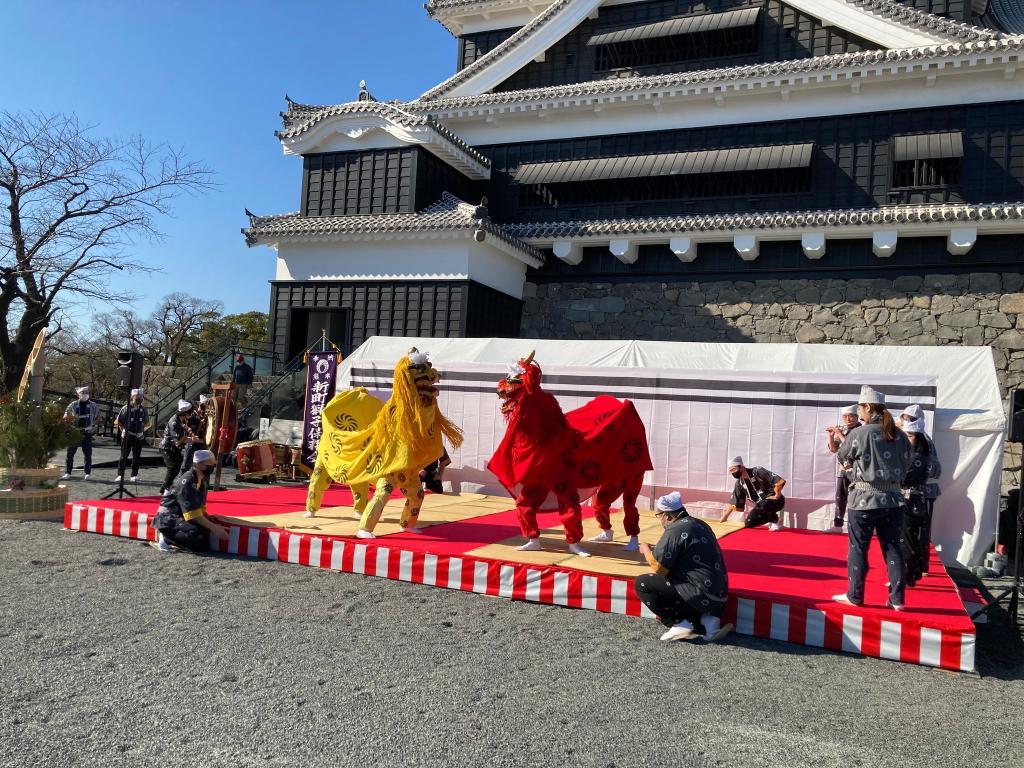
834,628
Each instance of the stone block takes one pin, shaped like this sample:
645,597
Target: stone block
1011,340
834,331
810,334
965,319
736,310
611,304
921,302
768,325
583,329
775,310
995,320
908,283
944,283
597,318
950,334
822,316
1012,303
671,294
985,282
577,314
903,331
1012,281
809,295
530,291
878,316
897,303
727,295
924,340
930,324
845,309
690,299
832,296
942,304
796,312
974,337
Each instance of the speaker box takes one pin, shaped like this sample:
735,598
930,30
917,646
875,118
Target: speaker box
1016,431
129,369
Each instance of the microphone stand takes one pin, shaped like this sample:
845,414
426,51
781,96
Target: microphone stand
121,491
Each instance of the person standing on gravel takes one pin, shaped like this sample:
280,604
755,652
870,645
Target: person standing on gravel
689,586
83,415
132,421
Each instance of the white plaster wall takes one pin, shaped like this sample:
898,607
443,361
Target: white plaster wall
456,257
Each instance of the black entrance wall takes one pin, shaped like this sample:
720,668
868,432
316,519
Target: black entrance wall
432,308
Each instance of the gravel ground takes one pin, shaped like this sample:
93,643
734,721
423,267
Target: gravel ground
114,654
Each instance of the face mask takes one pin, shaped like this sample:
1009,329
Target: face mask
736,474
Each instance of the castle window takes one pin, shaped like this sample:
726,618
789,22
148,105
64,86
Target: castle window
672,41
927,160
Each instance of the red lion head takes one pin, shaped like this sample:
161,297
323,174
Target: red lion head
525,405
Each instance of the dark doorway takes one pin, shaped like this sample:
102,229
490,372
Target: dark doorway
306,325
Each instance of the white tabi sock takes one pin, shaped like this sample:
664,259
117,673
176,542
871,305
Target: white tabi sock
711,623
532,545
603,536
576,549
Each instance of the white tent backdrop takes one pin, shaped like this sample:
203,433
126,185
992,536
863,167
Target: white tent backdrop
704,403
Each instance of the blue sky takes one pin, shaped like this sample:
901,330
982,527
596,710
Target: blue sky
210,76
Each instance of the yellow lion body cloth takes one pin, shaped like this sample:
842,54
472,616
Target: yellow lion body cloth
368,442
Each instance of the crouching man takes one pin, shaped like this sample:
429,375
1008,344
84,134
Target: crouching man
688,589
182,519
761,486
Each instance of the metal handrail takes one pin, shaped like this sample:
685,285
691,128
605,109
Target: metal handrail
266,392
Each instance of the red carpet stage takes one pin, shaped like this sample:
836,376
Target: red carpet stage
780,582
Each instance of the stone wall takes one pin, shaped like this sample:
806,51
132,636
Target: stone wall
969,309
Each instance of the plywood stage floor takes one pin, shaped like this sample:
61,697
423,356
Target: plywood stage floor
781,583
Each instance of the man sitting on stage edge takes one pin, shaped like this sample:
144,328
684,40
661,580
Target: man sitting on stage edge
182,518
763,487
689,586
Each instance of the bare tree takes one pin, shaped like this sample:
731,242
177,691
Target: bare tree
180,318
72,204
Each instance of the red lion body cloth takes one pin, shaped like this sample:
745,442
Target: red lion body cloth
550,459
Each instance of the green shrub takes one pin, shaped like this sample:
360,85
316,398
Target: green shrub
30,433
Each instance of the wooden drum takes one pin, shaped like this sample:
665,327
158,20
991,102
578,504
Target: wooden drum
255,457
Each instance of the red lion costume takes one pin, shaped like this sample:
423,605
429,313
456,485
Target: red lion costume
600,447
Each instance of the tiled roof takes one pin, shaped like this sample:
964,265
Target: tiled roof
301,117
520,37
1007,15
887,9
816,64
747,222
449,213
926,22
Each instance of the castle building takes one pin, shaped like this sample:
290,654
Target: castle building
821,171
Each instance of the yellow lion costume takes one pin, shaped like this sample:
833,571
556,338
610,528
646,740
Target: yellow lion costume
368,442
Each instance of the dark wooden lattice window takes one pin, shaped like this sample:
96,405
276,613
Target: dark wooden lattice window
658,51
782,181
927,172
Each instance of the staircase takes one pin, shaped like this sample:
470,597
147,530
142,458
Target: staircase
216,368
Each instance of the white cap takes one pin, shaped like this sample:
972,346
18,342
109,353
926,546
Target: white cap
850,409
913,411
913,427
200,456
869,396
81,391
137,392
184,405
671,502
736,461
204,399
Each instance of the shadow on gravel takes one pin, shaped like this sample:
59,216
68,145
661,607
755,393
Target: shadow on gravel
1000,652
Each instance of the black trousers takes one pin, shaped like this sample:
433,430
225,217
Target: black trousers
172,460
765,511
842,495
917,536
182,533
130,445
888,524
665,601
86,446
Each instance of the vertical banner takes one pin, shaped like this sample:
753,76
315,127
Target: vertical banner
319,391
